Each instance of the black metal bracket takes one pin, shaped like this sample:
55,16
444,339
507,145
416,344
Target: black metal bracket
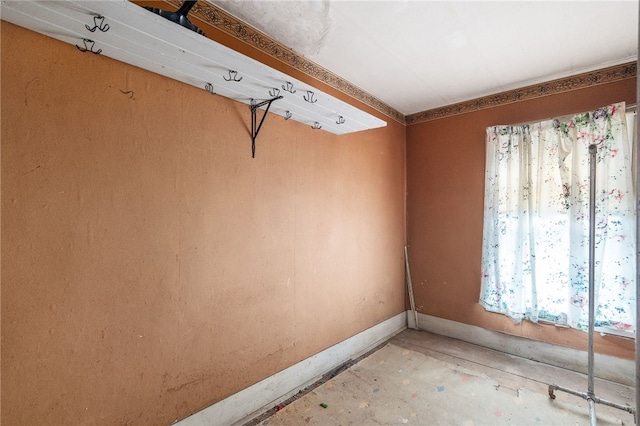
255,130
179,16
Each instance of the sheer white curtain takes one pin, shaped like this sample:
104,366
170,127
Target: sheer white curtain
535,252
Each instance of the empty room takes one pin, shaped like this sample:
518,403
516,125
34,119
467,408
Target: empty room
322,212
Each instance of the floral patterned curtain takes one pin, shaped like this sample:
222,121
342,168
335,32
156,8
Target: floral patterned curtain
535,249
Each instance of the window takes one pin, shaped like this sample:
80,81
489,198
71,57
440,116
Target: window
535,252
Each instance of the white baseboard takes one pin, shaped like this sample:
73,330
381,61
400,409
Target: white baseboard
256,399
605,367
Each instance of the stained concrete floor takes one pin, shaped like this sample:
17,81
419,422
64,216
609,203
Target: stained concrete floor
424,379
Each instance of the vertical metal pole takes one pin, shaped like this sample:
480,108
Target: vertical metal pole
593,149
592,412
637,245
590,394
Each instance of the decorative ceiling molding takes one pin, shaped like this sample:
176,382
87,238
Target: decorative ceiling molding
245,33
239,30
580,81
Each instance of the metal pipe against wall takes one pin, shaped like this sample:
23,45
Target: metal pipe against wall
638,243
590,396
593,149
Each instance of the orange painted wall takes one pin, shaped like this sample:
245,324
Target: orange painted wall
445,184
150,266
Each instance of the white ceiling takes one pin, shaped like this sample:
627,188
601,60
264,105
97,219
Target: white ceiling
419,55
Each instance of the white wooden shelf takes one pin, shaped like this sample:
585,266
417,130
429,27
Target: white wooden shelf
144,39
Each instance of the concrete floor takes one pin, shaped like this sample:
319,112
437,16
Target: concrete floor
422,379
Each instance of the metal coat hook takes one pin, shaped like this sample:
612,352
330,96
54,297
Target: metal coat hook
88,46
287,115
340,120
255,128
233,76
316,126
98,24
274,92
309,97
209,88
288,87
